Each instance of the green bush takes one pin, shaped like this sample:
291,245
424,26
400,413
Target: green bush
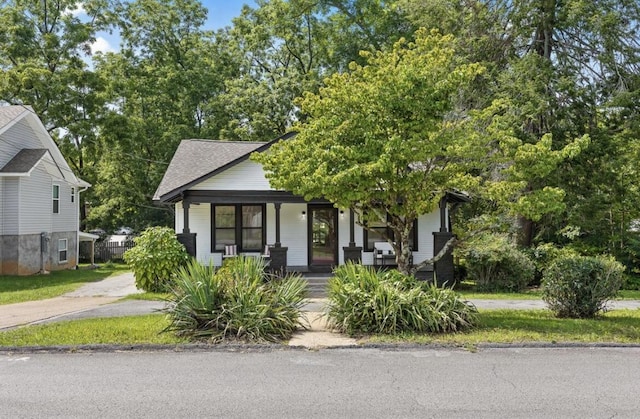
632,282
495,264
580,286
155,258
362,300
544,254
238,301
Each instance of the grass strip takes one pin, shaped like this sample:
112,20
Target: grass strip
114,330
520,326
470,294
18,289
495,326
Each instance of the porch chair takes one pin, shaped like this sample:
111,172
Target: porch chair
383,254
266,254
230,251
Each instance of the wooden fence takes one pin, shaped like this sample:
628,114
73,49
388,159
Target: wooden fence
104,251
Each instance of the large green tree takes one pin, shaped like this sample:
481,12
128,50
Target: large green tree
162,87
388,140
45,47
568,68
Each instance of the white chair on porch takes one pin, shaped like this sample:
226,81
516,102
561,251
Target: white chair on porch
230,251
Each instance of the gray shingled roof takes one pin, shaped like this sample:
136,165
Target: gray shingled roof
24,161
9,113
195,159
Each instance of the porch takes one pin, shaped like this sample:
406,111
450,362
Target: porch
301,236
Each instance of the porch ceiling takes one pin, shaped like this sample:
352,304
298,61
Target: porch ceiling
244,197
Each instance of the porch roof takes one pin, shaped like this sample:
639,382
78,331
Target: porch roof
244,197
197,160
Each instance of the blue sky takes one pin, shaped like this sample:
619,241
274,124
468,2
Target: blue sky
222,11
220,14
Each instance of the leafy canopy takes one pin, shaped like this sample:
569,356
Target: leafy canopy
388,140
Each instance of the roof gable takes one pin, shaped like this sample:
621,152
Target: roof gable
9,118
197,160
24,162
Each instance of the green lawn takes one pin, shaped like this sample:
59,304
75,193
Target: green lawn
116,330
495,326
518,326
17,289
530,294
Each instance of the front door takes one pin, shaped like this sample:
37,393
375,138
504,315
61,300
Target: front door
323,237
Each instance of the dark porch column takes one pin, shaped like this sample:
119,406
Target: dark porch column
277,253
187,238
351,252
443,268
443,214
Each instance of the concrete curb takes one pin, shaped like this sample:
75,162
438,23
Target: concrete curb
270,347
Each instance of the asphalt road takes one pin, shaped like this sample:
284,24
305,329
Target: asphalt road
340,383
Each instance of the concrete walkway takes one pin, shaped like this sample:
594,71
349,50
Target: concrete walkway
100,299
88,297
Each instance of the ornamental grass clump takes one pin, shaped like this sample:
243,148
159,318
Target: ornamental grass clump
362,300
239,301
580,286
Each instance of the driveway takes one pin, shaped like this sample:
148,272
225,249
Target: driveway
94,295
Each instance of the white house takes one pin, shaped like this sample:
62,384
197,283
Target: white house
39,198
223,198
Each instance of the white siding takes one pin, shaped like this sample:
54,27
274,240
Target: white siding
245,176
199,223
343,233
11,208
293,233
427,224
36,205
1,212
16,138
67,218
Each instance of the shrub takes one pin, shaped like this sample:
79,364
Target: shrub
580,286
544,254
238,301
155,258
362,300
495,264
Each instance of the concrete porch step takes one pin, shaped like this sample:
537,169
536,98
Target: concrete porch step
317,286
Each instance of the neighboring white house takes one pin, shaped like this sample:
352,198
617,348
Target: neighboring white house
223,198
39,198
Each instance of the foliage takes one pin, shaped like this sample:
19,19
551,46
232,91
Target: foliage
580,286
155,258
632,283
362,300
544,254
496,264
387,140
239,301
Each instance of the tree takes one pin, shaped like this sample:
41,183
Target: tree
566,67
44,50
387,140
163,86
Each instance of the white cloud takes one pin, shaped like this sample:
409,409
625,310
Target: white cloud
101,45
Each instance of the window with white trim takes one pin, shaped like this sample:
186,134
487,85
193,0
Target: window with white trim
62,250
56,199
